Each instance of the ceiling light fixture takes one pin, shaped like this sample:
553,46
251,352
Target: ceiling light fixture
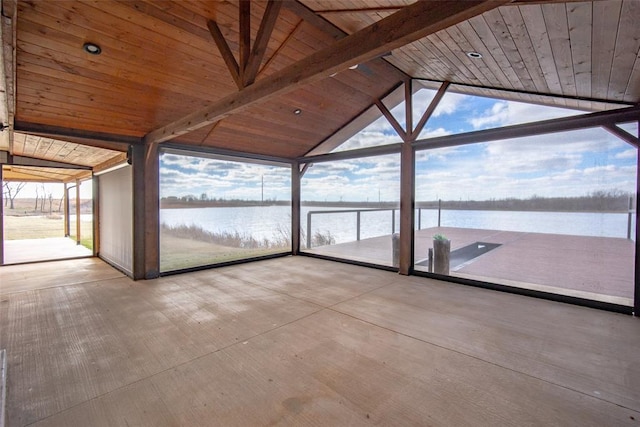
474,55
91,48
353,67
297,111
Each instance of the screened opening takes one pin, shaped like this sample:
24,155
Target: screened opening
46,220
560,209
216,209
459,113
350,209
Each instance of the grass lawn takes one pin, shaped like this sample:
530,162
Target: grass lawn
40,227
177,253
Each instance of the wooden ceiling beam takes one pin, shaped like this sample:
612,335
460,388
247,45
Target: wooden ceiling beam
429,111
94,139
226,53
405,26
317,21
244,38
544,127
7,72
408,107
41,163
116,160
391,119
267,25
622,134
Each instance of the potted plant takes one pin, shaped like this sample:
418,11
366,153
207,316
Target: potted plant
441,254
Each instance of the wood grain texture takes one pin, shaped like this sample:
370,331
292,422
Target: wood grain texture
301,341
159,62
396,30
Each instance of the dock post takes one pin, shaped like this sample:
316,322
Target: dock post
629,217
309,230
393,221
395,245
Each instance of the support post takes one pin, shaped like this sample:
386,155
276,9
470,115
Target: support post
67,230
96,215
636,296
1,218
407,207
358,225
439,210
146,211
78,212
295,208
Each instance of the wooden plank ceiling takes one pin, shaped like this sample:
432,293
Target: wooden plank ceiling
159,63
587,49
32,149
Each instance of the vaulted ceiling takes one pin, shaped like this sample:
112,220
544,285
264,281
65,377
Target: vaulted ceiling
231,74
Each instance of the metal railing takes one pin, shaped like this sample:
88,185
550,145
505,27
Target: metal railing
358,213
418,217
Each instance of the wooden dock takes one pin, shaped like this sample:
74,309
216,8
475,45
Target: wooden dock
599,268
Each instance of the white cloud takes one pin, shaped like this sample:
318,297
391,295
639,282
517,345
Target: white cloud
504,113
631,153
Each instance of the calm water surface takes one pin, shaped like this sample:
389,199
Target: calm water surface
274,221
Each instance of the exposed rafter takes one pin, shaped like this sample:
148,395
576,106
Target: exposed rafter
262,39
408,107
392,120
225,51
429,111
245,70
622,134
317,21
409,24
244,38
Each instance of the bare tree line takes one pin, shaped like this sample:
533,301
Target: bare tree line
42,199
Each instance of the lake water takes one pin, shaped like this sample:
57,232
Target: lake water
274,221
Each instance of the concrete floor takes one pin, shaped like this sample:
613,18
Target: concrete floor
302,341
52,248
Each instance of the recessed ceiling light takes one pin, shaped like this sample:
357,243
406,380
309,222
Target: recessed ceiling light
91,48
353,67
297,111
474,55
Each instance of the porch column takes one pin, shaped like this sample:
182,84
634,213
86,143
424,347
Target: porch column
78,212
1,219
636,294
95,182
295,208
146,211
407,204
67,232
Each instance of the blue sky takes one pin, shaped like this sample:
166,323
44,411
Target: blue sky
568,164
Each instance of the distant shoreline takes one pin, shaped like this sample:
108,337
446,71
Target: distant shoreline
470,206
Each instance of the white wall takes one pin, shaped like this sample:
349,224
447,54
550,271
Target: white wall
116,218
